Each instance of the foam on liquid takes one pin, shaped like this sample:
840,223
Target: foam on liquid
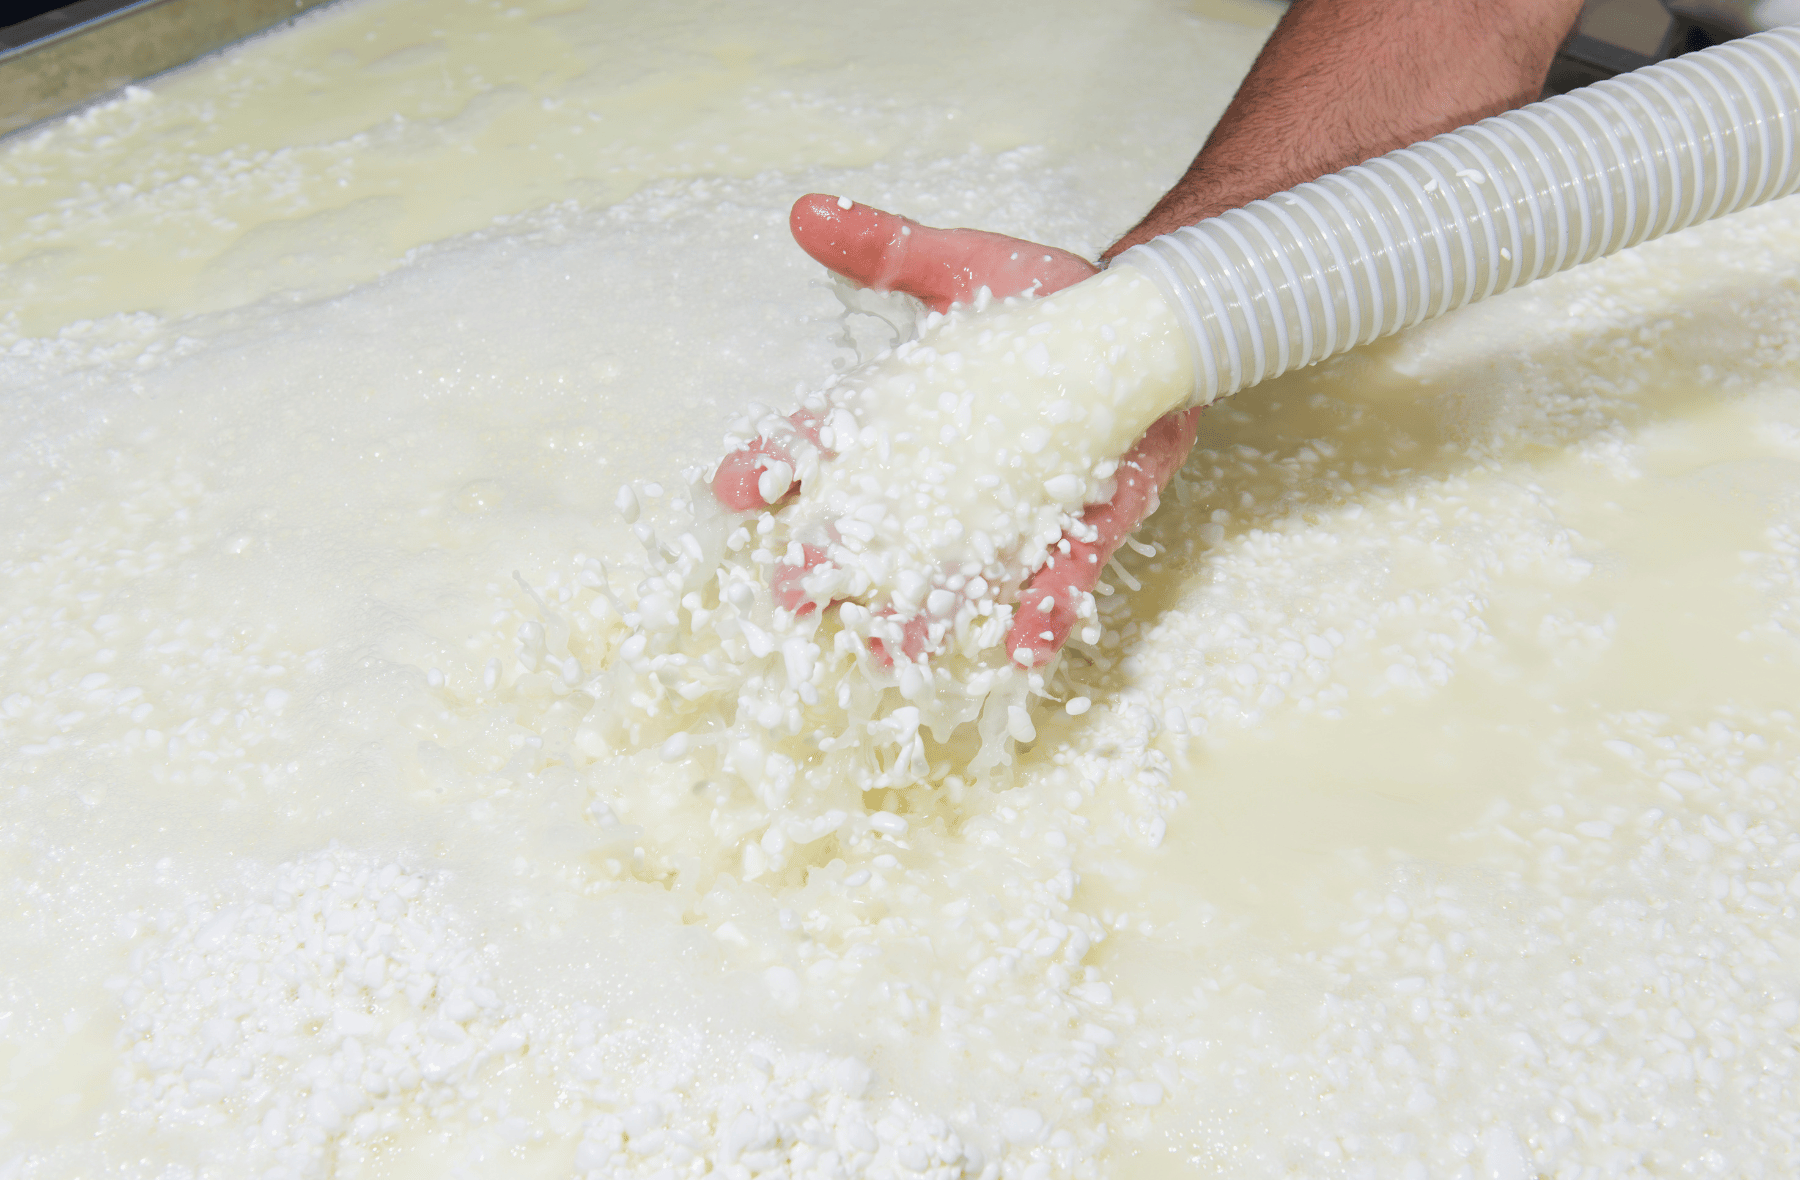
1434,814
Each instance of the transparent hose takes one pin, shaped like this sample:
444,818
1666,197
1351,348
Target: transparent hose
1351,257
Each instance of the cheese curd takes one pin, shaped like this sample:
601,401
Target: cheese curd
376,799
956,460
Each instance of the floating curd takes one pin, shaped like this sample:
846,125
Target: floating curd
1425,805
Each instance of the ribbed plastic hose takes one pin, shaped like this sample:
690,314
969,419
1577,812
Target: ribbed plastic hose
1343,260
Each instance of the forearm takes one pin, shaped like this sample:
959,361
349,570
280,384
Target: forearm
1343,81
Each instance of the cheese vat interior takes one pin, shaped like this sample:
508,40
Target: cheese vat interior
1481,849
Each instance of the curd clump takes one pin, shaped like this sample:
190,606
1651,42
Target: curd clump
937,478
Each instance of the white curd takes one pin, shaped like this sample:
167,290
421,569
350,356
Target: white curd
1426,806
956,460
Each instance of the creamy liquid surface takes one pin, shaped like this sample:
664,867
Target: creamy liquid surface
1436,813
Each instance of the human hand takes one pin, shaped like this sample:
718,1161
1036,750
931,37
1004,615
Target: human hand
941,267
886,252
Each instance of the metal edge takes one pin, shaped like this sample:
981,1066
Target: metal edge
66,21
89,50
1602,55
1688,25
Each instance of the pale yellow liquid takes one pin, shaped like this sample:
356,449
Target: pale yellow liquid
1539,527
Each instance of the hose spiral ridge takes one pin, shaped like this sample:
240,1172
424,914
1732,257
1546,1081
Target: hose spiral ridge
1337,262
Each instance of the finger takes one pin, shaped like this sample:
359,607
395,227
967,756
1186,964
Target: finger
1048,604
786,583
937,266
762,473
908,638
746,479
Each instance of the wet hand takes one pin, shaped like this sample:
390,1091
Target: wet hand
941,267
